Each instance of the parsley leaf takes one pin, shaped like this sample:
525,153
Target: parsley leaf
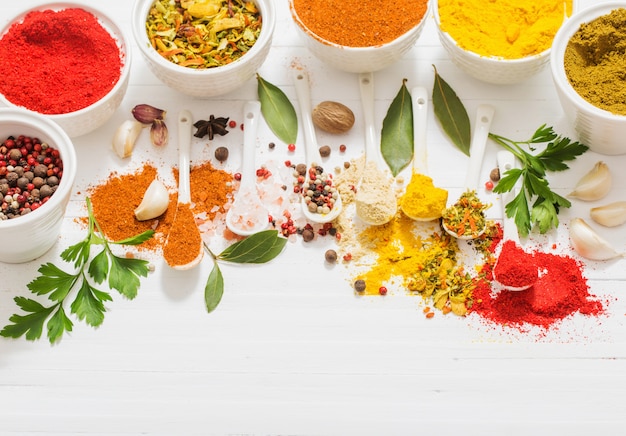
535,187
88,302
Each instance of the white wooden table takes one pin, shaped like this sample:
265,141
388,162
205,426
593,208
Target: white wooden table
287,354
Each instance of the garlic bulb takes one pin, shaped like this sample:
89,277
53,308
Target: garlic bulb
125,137
594,185
610,215
154,202
588,243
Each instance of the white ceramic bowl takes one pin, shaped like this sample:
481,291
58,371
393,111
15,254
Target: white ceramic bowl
490,69
603,131
358,59
29,236
88,119
208,82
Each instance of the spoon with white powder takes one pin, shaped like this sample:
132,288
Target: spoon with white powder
376,201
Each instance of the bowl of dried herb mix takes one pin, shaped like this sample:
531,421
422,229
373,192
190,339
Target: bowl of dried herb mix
82,65
512,51
359,36
37,171
587,64
204,48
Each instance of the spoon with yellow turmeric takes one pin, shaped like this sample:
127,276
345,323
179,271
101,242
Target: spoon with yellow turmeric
422,200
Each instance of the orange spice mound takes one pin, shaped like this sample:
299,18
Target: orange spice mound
115,200
182,242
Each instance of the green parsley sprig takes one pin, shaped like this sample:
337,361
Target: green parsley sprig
88,304
536,203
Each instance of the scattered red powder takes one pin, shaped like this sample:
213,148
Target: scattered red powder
515,268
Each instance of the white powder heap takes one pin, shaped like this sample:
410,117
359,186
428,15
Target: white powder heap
376,201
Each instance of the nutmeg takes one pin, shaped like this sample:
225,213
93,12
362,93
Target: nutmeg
333,117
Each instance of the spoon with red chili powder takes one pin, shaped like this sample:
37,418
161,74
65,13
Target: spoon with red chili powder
515,269
183,248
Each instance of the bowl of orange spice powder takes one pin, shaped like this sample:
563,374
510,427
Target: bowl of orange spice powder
359,36
500,42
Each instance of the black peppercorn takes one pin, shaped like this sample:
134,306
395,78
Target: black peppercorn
324,151
359,285
330,256
221,154
308,235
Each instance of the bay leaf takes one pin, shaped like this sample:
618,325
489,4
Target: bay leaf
260,247
451,113
214,289
396,141
277,110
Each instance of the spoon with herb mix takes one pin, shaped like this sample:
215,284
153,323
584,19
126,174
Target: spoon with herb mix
422,201
183,247
465,219
376,201
321,202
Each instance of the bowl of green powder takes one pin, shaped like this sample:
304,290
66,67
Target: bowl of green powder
588,64
500,42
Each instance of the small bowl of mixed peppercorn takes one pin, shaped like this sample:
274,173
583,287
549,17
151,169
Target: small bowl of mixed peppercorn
37,172
204,48
79,68
351,37
511,52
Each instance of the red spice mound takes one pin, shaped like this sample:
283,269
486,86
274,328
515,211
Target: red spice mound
56,62
515,268
560,291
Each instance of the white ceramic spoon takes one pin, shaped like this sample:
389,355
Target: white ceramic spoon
366,85
183,206
506,161
247,215
301,82
419,99
484,117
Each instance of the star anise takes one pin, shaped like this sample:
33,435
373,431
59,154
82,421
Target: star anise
213,126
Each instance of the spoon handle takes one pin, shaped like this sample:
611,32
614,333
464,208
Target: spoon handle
366,85
419,99
301,82
251,112
506,161
484,117
184,150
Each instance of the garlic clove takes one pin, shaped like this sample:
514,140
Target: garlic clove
594,185
586,242
146,114
610,215
125,137
158,133
154,203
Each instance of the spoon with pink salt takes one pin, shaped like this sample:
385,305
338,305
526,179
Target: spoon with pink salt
515,270
247,215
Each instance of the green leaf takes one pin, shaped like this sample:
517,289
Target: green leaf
99,267
214,289
88,304
396,142
451,113
260,247
278,112
53,281
545,215
30,325
125,273
58,324
77,253
137,239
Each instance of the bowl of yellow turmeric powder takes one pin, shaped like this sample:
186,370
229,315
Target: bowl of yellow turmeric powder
500,42
587,63
204,48
359,36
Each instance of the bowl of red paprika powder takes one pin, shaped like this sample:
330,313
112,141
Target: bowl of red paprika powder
204,48
587,63
37,172
79,68
359,36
